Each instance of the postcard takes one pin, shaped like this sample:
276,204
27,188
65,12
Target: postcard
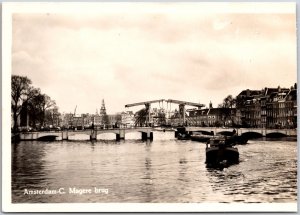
149,107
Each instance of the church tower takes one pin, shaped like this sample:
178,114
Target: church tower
103,115
103,109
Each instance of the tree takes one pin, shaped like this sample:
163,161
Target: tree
141,117
226,108
229,102
46,103
105,119
52,116
118,120
161,118
20,87
28,100
34,107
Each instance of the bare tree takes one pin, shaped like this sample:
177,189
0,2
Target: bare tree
226,108
52,116
46,104
229,102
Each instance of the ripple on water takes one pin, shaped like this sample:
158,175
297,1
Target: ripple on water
166,170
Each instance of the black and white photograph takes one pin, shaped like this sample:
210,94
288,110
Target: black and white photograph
149,107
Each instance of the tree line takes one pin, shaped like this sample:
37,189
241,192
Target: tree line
30,102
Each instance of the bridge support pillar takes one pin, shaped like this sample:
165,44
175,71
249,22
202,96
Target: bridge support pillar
121,135
147,135
93,135
64,135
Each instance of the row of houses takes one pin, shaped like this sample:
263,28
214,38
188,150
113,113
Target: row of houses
205,117
266,108
122,119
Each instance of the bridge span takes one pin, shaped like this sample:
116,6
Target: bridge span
146,133
258,132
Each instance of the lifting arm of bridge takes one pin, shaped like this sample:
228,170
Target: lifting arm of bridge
182,105
147,105
144,103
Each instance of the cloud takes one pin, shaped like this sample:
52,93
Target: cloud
134,57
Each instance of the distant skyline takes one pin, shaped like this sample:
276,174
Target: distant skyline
165,51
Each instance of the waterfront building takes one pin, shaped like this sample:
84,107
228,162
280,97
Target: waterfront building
244,103
282,108
97,120
211,117
114,119
87,120
127,119
268,108
77,121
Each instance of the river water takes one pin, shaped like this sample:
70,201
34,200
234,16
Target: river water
165,170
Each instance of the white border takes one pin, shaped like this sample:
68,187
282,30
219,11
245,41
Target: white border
176,7
152,207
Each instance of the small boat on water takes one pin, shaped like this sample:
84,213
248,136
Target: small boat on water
183,136
200,137
220,153
235,139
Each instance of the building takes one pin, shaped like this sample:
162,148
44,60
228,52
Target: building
245,105
268,108
127,119
210,117
114,120
158,117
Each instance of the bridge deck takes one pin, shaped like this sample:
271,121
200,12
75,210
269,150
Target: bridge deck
120,133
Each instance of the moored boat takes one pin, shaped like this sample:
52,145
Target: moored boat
200,137
238,140
220,153
182,134
233,138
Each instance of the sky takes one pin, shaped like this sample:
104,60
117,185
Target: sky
140,55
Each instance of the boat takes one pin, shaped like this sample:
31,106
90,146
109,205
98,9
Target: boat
200,137
220,153
182,134
234,138
238,140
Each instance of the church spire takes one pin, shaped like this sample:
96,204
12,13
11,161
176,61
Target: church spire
102,109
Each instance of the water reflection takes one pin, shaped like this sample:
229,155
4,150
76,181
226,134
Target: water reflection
162,170
28,167
147,187
183,167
